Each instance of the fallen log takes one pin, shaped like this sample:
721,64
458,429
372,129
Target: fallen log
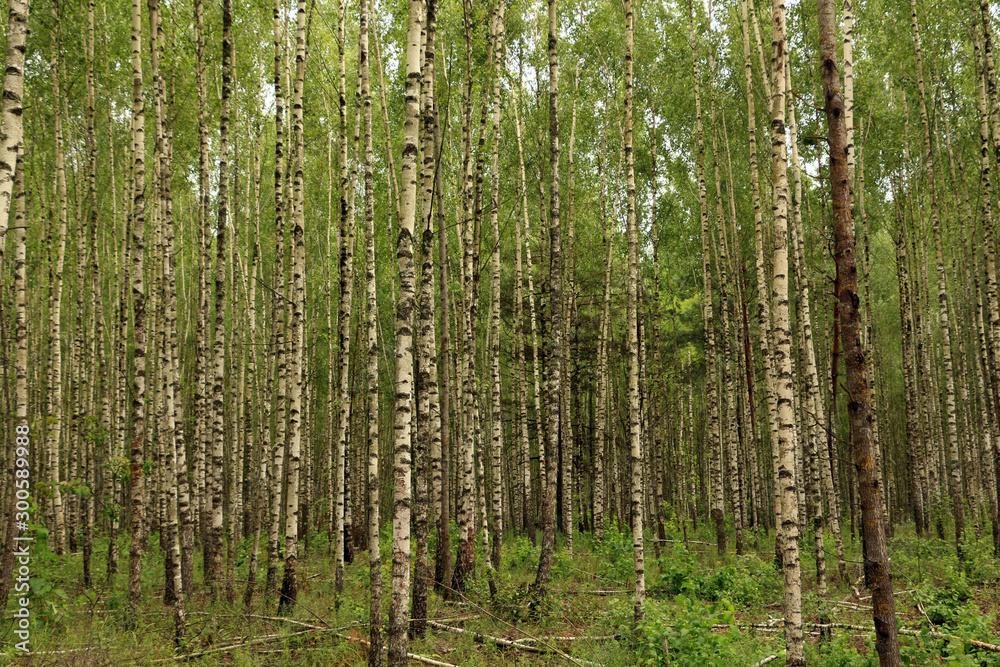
500,641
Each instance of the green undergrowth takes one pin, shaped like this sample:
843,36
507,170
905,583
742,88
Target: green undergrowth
700,610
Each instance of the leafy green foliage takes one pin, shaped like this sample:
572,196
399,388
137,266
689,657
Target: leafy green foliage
614,554
749,582
691,638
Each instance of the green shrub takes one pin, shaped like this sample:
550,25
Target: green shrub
689,640
614,554
838,652
675,570
944,603
747,583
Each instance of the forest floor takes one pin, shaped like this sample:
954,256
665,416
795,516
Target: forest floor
701,609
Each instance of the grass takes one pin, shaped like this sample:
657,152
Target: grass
700,609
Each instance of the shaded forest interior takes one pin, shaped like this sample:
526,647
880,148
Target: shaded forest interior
390,322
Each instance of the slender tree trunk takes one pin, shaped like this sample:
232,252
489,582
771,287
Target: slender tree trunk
289,584
728,422
55,392
535,360
875,553
635,434
496,419
278,314
17,31
263,427
375,651
344,318
711,386
784,382
520,366
138,222
12,188
566,441
955,479
554,360
600,435
174,590
399,610
428,419
989,342
12,136
442,559
203,409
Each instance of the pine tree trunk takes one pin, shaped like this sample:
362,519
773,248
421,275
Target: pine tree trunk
875,553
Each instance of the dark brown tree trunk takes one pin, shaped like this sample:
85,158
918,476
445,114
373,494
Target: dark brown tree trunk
876,557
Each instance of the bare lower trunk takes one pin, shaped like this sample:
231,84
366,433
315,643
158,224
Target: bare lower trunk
784,381
955,479
399,610
875,553
136,472
554,360
635,434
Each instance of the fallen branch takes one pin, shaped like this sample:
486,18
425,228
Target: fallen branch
265,639
70,650
903,631
411,656
287,620
761,663
576,661
480,637
592,575
553,638
868,597
653,539
500,641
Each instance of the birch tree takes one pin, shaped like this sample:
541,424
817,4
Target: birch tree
784,384
399,609
635,434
